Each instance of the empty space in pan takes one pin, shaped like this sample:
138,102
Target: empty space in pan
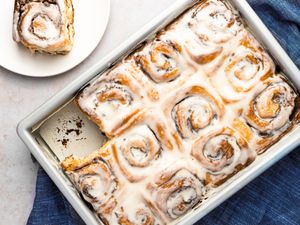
69,132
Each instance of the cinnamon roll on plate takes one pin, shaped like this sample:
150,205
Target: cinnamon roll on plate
44,26
47,26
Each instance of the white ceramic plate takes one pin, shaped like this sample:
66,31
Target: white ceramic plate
90,21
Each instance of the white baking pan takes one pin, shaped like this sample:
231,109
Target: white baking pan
52,131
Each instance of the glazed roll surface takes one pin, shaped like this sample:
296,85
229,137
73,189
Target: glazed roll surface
184,114
273,111
177,190
222,153
138,150
244,68
193,110
44,26
114,101
96,180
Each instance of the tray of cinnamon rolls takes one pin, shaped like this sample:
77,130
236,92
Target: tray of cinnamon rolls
205,102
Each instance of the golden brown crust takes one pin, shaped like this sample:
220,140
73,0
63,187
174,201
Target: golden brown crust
64,42
222,153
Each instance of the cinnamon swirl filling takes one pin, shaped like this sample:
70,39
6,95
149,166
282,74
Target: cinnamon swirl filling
140,149
142,217
44,25
195,112
115,94
114,100
215,19
161,60
212,23
201,50
178,192
222,152
136,151
97,183
243,70
271,109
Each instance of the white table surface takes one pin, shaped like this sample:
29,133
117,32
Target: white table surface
20,95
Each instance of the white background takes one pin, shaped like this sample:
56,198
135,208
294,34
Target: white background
21,95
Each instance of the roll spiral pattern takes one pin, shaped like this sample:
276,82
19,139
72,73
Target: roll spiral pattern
161,60
195,111
222,152
271,109
136,151
177,191
243,70
96,181
45,26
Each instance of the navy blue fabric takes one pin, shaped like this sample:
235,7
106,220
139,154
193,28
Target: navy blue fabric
282,17
50,206
272,198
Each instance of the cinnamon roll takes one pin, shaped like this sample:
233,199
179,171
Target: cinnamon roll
138,149
114,100
161,60
269,113
212,24
193,110
95,180
44,25
222,152
176,191
201,50
245,67
135,210
216,20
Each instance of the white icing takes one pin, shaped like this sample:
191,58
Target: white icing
97,183
16,36
193,114
47,29
216,21
284,97
239,75
41,25
179,193
215,154
137,151
111,111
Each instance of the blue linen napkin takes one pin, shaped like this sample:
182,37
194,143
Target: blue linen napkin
272,198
